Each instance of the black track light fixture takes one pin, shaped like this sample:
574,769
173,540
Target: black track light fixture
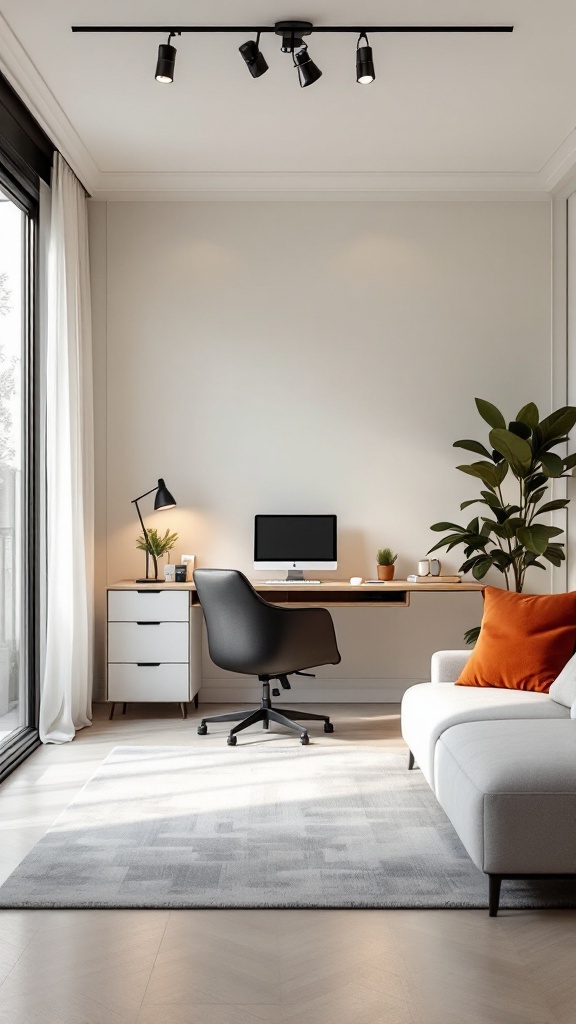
364,62
166,61
255,60
308,72
293,35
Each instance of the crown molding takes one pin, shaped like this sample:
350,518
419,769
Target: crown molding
25,78
559,172
557,179
304,186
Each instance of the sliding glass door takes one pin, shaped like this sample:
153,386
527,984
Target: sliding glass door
17,506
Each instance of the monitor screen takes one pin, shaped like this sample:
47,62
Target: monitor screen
299,541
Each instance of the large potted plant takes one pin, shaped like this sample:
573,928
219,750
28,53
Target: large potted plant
510,536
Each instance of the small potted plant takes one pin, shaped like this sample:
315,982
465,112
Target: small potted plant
386,559
156,545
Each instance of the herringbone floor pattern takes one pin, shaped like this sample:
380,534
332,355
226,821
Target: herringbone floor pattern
261,966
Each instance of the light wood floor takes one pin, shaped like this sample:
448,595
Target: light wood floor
251,966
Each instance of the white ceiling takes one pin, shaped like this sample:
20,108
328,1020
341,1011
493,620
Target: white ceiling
447,112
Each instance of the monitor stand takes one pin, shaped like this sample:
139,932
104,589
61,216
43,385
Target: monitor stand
295,574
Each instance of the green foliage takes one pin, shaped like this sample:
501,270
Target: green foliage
471,635
157,545
507,537
385,556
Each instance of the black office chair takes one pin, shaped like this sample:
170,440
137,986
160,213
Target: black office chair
249,635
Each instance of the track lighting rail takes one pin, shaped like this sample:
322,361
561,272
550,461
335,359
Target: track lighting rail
371,29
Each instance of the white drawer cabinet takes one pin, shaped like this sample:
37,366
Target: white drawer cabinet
154,647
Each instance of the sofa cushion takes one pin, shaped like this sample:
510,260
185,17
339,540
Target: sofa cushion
509,789
428,709
525,640
563,689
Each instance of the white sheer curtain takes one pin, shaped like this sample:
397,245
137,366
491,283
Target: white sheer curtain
66,689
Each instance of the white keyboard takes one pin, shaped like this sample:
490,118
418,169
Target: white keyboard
291,583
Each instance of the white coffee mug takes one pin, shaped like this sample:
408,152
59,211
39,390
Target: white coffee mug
355,581
424,567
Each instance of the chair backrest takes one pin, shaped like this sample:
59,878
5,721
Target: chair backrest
243,630
247,634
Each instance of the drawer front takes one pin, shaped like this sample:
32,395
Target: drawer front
147,683
148,606
148,641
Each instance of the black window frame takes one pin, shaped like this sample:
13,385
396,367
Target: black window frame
26,156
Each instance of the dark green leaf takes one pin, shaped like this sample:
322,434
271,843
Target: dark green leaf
451,539
570,461
552,444
529,415
552,506
520,429
471,635
552,464
534,538
472,501
516,450
496,456
473,446
553,557
558,423
534,498
491,499
490,413
481,568
536,481
439,527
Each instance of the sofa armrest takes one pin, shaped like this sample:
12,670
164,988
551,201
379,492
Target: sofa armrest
446,666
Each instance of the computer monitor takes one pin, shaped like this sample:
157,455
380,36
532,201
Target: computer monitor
295,543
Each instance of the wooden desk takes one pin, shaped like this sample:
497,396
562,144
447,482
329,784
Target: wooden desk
154,634
338,593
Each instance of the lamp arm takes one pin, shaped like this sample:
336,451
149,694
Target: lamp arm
140,496
144,530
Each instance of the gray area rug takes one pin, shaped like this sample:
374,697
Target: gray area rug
257,826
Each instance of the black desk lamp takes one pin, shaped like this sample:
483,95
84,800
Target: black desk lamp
163,499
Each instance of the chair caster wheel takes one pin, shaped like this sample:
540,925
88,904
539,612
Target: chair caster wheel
304,738
328,727
202,730
231,741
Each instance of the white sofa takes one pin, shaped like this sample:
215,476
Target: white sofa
502,764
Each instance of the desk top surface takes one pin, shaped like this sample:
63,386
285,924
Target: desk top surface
313,588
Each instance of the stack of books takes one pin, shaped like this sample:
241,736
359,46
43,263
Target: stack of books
433,579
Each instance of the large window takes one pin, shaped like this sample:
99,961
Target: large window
25,161
17,520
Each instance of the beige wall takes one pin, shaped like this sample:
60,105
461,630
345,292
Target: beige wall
278,357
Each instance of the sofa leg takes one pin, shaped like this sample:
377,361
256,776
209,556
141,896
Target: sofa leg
410,760
494,883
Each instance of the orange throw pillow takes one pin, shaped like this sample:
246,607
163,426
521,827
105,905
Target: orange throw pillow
524,642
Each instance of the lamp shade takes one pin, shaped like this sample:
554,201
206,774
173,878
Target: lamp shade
166,63
255,60
163,497
308,72
365,73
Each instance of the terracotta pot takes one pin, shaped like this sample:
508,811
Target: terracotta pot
385,572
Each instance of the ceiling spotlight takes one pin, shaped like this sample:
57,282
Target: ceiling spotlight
308,72
166,61
364,64
255,60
